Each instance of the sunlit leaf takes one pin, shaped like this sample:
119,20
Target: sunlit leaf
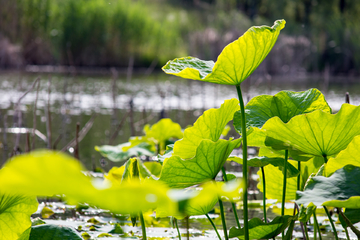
45,173
284,104
210,126
350,155
53,232
274,179
118,153
317,133
15,212
235,63
341,189
210,157
164,130
260,230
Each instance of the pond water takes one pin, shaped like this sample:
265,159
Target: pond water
104,101
108,99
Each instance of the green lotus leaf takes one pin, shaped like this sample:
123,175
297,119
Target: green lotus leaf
46,173
118,153
306,213
317,133
235,63
53,232
341,189
350,155
15,212
264,161
274,188
210,157
260,230
164,130
210,126
153,167
284,104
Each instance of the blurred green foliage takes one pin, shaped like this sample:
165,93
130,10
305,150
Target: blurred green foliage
92,32
109,33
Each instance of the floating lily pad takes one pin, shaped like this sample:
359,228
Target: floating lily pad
119,153
53,232
260,230
235,63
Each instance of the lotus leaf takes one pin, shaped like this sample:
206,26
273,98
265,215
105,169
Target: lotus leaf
122,151
46,173
210,126
274,188
317,133
260,230
235,63
15,212
350,155
210,157
53,232
341,189
284,104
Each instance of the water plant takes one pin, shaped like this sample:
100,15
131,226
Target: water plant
310,155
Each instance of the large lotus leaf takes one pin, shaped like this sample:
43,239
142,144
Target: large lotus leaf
274,186
210,157
54,232
341,189
284,104
350,155
235,63
260,230
15,212
317,133
164,130
46,173
210,125
119,153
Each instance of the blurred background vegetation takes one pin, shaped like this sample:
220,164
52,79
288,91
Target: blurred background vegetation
320,35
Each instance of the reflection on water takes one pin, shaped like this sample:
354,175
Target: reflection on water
75,99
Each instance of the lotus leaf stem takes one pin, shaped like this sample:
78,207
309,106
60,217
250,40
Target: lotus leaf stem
245,167
349,224
212,223
331,223
223,218
232,204
264,193
316,224
177,228
306,231
284,187
143,228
